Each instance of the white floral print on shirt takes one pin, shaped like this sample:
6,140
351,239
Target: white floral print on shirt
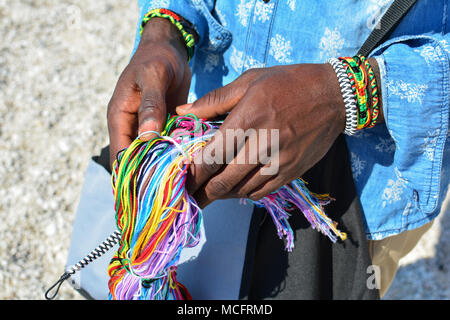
160,3
385,145
280,49
331,43
291,4
211,61
241,63
429,144
237,59
430,53
263,11
243,11
394,189
410,91
358,165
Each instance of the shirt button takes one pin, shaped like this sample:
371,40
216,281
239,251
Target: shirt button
266,1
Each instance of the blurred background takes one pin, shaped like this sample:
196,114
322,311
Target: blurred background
59,62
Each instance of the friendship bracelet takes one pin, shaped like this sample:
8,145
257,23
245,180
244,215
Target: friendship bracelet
358,77
374,91
184,26
348,95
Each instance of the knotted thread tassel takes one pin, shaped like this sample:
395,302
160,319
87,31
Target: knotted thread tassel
157,218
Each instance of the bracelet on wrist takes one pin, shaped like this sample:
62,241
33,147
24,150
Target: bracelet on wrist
358,77
365,89
184,26
348,95
373,92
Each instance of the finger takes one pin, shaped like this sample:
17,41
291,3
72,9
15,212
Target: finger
268,165
152,111
222,148
122,121
221,185
219,101
267,187
251,182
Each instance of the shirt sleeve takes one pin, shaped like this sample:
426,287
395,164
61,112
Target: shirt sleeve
198,12
415,90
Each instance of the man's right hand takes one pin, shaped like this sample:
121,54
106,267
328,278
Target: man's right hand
156,80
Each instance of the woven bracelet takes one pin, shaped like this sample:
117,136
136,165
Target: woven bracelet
359,80
181,24
373,90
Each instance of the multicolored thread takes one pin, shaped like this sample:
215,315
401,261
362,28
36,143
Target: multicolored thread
157,217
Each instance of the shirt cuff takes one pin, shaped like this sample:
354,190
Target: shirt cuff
415,91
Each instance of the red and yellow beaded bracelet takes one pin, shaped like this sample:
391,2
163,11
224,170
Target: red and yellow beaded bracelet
182,24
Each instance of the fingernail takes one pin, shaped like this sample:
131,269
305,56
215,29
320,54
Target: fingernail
185,107
145,136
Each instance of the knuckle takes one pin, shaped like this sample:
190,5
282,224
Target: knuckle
150,101
210,160
255,196
250,72
210,165
213,97
218,187
241,194
156,68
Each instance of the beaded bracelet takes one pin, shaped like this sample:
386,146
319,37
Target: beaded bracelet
182,24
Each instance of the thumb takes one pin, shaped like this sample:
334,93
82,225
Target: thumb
152,112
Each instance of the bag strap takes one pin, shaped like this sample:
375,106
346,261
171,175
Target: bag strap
388,22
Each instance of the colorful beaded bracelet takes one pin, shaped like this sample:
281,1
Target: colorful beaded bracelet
182,24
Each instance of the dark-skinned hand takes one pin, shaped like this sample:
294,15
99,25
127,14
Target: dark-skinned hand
303,102
156,80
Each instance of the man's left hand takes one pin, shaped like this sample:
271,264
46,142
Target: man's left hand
303,102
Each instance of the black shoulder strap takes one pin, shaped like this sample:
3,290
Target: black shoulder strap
390,19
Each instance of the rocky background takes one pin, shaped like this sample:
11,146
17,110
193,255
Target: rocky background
59,62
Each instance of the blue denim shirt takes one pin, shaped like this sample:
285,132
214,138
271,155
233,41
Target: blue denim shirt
400,168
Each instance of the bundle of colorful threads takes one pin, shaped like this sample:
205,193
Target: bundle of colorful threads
157,217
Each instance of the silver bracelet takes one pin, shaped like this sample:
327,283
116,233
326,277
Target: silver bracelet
351,112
